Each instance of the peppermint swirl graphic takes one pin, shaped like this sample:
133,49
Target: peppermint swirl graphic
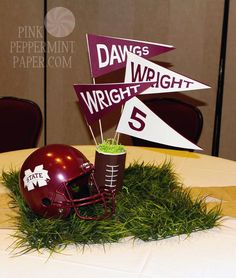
59,22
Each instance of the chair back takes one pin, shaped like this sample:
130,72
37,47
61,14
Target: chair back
183,117
20,124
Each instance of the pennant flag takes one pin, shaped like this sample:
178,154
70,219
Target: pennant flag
139,69
107,54
99,99
139,121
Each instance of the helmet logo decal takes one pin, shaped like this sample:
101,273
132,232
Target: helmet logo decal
38,176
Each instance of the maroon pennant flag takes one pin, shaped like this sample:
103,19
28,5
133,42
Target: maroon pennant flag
107,54
98,99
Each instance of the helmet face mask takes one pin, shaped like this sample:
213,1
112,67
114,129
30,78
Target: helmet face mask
58,179
86,199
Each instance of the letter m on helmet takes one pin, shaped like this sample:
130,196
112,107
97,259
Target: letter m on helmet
38,177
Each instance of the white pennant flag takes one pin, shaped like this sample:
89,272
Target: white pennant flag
139,69
139,121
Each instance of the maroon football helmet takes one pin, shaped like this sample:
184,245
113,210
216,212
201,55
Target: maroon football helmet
56,179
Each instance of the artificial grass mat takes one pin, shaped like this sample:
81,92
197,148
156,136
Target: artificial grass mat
153,205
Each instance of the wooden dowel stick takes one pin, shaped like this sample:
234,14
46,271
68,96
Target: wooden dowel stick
117,134
100,127
94,139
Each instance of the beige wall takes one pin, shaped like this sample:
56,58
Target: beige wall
228,128
192,26
19,81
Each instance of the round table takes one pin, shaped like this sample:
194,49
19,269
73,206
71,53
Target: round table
208,253
194,169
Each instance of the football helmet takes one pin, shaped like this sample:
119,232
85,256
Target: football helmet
56,179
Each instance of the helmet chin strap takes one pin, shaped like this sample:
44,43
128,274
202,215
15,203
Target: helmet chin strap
106,198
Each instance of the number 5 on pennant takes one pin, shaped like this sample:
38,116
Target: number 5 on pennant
139,121
137,117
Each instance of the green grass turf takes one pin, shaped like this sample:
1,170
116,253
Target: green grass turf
110,146
153,205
